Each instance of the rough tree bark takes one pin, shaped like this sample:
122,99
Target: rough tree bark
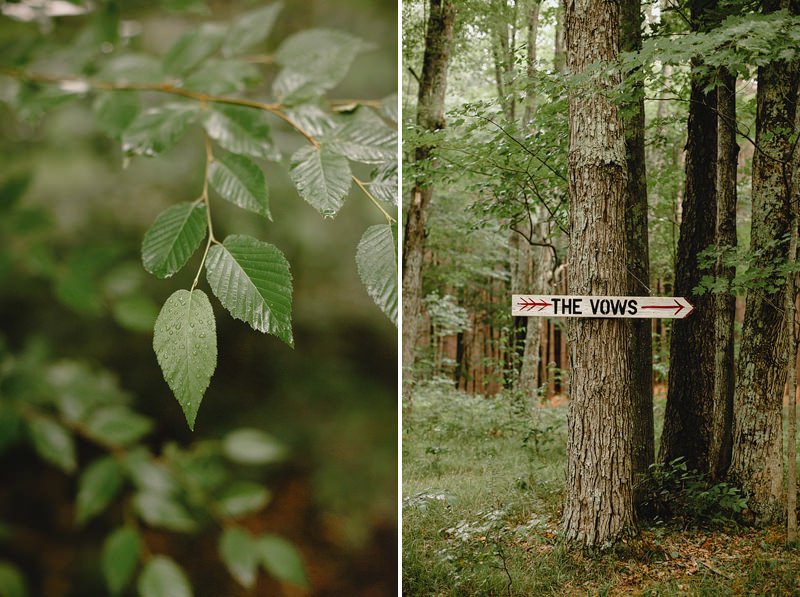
791,452
599,495
430,116
643,442
725,303
690,412
757,462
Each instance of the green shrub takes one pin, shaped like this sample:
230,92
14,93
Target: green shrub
80,421
671,491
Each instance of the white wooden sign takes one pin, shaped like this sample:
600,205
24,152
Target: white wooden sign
669,307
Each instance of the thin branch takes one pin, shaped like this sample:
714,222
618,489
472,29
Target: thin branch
362,186
204,199
728,120
204,98
258,59
535,243
524,147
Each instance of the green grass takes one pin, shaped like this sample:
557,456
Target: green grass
483,482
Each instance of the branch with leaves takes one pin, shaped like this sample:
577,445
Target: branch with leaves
203,73
183,490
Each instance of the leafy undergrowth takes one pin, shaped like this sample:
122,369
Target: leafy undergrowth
483,485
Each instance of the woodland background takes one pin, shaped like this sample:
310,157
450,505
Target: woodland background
523,155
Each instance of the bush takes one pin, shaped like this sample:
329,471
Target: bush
81,422
672,491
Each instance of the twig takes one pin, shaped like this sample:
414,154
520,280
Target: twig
203,98
204,199
362,186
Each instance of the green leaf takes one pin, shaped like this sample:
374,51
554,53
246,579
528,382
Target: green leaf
123,280
173,237
291,88
388,107
97,486
159,510
192,48
384,183
322,55
12,583
53,443
243,497
131,68
238,551
322,178
238,179
120,556
365,138
253,446
201,468
245,131
253,282
162,577
281,559
250,29
185,342
115,111
79,390
135,313
377,266
148,474
117,425
34,100
222,77
77,283
312,117
157,129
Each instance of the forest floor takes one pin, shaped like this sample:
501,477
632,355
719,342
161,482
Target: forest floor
483,483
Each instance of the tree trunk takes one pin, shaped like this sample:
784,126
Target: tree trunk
521,267
638,254
533,31
541,272
599,494
791,451
757,463
542,261
430,116
690,412
504,28
725,303
559,52
538,260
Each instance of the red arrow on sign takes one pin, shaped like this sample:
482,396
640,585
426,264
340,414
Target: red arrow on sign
677,307
531,304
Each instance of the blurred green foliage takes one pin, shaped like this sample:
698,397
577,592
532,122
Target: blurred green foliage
296,444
